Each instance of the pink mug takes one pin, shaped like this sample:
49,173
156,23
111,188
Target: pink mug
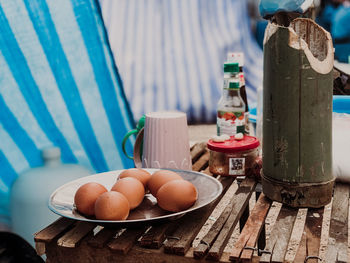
164,142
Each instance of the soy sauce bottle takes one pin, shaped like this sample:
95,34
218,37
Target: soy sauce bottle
231,107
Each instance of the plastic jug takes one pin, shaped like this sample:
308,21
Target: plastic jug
31,191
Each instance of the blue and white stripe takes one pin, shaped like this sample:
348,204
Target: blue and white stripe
170,52
59,86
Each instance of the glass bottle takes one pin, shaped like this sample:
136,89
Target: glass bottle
231,107
238,57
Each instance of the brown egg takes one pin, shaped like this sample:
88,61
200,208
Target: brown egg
112,206
159,178
177,195
132,189
85,197
140,174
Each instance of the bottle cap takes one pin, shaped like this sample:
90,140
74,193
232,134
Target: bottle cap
231,67
236,57
51,153
233,85
233,146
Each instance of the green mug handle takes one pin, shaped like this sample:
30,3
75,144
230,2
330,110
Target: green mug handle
139,126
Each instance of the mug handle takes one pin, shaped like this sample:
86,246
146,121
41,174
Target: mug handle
124,142
139,126
137,149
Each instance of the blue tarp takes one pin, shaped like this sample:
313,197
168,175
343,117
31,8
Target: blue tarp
270,7
59,87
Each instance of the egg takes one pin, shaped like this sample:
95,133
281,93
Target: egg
85,197
159,178
132,189
137,173
177,195
112,206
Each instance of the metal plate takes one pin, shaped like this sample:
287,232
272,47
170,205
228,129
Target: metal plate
61,201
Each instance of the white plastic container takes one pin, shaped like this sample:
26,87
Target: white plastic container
31,191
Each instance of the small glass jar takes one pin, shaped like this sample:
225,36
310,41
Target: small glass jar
233,157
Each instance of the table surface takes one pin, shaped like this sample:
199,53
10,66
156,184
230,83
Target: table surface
192,239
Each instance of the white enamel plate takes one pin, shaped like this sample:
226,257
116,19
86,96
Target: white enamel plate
61,201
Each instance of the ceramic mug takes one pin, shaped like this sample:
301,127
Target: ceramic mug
163,142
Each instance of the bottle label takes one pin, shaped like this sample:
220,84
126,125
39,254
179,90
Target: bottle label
230,123
241,79
236,166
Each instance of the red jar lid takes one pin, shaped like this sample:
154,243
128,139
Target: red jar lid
232,145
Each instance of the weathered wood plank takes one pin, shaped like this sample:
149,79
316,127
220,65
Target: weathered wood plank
180,241
226,183
241,199
338,229
280,235
262,239
311,238
201,163
53,230
251,231
76,234
155,237
85,253
197,150
102,237
244,217
189,226
126,240
39,248
209,238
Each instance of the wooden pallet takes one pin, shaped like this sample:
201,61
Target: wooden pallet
69,241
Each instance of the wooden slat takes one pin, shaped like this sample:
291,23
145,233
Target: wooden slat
251,230
209,238
226,183
311,238
124,243
244,218
186,231
102,237
279,238
189,225
201,163
338,229
76,234
53,230
262,239
241,199
197,150
39,248
156,236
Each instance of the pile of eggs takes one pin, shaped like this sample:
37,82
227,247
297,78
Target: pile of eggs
173,194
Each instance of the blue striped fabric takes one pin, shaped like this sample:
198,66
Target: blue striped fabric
59,87
170,52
